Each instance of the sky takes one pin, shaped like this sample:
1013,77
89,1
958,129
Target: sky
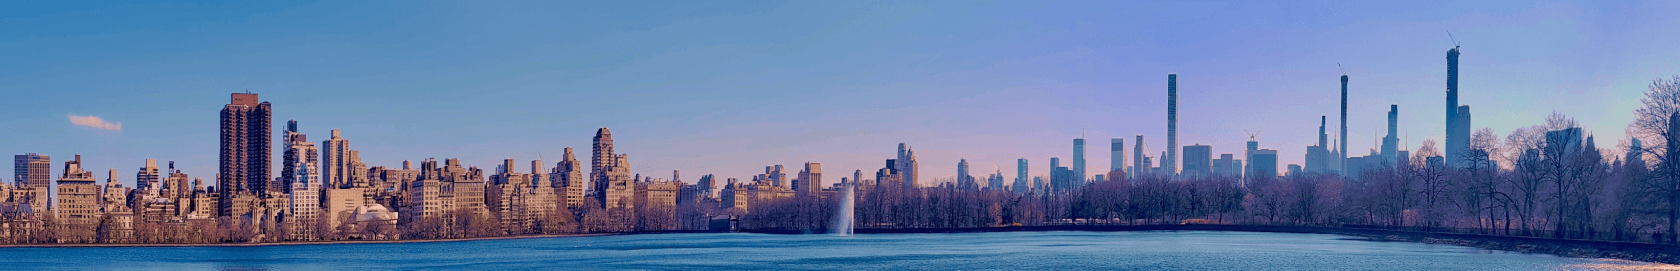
729,87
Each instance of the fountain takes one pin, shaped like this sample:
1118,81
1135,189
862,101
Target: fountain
843,217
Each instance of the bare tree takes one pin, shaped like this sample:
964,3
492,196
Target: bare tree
1654,123
1561,154
1525,179
1482,189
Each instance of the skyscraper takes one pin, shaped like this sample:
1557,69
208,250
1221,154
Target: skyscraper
32,170
995,180
568,180
906,166
603,154
1139,169
302,179
1117,154
148,179
1169,164
1078,161
1391,143
1198,160
1341,154
335,161
246,142
1458,119
614,186
299,161
289,158
1248,155
810,180
1462,135
1056,176
1021,175
964,180
1318,156
1222,165
1263,164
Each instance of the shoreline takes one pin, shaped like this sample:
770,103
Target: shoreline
305,243
1644,252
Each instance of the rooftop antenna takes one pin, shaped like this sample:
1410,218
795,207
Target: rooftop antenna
1450,37
1252,135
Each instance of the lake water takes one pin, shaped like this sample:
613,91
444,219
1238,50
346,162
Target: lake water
1172,250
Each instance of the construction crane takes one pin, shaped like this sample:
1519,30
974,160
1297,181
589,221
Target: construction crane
1450,37
1252,135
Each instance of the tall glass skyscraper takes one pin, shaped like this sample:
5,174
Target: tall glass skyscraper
1169,163
1117,154
1078,161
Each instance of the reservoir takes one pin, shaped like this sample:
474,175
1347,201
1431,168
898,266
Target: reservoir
1066,250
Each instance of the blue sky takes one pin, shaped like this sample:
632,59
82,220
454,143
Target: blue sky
730,87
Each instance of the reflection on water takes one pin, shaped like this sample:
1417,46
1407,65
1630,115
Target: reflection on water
964,251
1614,264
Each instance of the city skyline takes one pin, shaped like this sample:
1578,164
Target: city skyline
691,124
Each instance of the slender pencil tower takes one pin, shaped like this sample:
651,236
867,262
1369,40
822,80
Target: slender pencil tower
1342,157
1169,164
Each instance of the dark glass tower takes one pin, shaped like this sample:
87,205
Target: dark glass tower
1169,164
1453,144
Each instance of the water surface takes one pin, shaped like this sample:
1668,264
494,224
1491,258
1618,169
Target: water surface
1174,250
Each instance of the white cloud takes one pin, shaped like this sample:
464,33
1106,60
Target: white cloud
94,122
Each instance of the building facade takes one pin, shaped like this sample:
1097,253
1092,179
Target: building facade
246,139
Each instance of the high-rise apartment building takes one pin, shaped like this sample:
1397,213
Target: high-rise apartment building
78,195
335,161
34,180
300,172
1169,163
1462,135
1458,117
614,186
568,180
810,180
32,169
1341,152
907,167
246,142
148,179
965,179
